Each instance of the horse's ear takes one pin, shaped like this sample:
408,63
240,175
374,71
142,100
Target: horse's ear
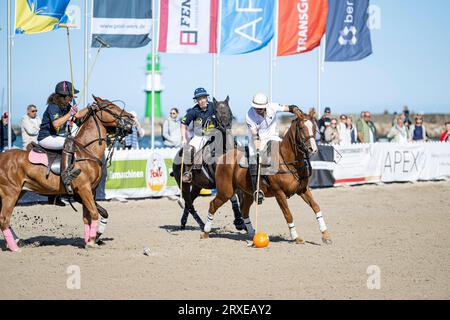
97,99
214,100
227,99
299,114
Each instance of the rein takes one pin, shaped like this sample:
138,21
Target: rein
118,136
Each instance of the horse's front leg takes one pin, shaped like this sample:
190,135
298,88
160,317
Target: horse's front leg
282,202
90,217
309,199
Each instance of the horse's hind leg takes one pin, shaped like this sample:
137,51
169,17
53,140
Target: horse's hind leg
309,199
8,202
282,202
238,222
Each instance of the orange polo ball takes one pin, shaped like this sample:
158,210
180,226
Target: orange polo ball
261,240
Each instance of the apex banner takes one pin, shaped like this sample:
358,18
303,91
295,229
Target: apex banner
301,25
348,36
246,26
188,26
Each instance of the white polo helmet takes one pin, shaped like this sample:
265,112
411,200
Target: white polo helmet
260,101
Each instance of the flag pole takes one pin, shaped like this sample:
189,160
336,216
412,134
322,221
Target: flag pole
86,52
319,62
153,77
271,70
9,94
214,74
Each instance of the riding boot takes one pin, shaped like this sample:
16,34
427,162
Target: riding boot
68,173
253,169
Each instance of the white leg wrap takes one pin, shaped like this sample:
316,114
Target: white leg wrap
102,225
208,224
294,234
322,225
249,226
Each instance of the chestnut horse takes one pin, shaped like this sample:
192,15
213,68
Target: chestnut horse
18,174
292,177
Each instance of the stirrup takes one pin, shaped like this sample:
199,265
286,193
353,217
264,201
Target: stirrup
258,198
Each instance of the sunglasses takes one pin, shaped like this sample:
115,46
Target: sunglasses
173,113
34,111
334,123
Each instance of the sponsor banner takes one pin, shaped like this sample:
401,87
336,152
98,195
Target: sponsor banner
301,25
348,36
122,24
141,174
246,26
188,26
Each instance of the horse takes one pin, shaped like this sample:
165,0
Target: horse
203,178
18,175
292,177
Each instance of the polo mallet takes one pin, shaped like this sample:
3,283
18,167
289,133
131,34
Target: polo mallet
180,200
258,168
103,44
70,122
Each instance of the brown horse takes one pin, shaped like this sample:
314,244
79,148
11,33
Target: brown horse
18,174
292,177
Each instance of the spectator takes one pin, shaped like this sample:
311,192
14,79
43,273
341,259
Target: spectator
418,132
406,115
172,130
445,137
399,132
349,135
30,126
132,140
4,132
321,122
342,126
332,133
367,132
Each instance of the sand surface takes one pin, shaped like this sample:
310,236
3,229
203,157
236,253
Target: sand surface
401,229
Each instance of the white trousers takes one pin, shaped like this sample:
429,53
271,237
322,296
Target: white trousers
53,142
198,142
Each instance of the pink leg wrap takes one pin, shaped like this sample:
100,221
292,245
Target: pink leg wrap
93,232
9,238
86,233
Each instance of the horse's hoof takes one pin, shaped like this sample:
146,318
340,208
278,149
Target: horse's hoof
299,240
204,235
326,238
91,245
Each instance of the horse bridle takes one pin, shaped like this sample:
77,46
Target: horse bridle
119,135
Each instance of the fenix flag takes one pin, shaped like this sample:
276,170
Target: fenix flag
245,26
348,36
188,26
122,24
35,16
301,25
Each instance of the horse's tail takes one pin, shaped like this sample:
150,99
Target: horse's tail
176,167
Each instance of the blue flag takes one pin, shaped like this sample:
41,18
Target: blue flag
36,16
348,36
122,24
246,25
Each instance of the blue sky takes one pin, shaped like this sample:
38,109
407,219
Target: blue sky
410,65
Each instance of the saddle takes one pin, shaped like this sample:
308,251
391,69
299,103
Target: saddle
269,159
50,158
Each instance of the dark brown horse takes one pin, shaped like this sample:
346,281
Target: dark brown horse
203,177
18,174
294,170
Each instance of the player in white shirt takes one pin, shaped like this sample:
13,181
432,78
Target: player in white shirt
262,127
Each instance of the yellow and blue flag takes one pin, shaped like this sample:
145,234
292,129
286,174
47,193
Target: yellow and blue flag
35,16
